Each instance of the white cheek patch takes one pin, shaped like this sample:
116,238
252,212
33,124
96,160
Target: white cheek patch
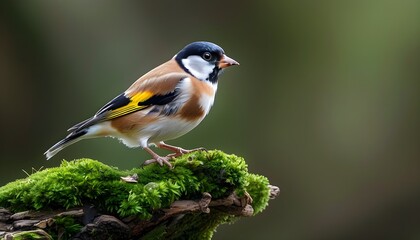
198,67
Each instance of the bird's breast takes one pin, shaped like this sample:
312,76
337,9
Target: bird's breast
200,101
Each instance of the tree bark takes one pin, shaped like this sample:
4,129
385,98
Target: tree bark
181,217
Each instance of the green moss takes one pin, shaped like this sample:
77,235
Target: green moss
204,226
31,235
87,181
260,193
64,228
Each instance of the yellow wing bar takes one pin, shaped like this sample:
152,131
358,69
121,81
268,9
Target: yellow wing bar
132,106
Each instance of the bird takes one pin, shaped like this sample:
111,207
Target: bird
163,104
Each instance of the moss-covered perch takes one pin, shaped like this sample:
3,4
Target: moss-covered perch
85,199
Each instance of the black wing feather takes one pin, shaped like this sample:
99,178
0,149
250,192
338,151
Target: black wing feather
121,101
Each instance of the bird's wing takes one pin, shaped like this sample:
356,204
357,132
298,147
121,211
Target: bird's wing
159,90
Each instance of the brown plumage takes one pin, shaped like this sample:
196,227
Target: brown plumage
163,104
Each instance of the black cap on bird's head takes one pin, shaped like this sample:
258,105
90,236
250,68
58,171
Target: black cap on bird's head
204,60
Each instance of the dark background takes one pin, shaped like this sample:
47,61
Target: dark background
325,103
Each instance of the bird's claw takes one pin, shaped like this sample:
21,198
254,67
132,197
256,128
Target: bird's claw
160,161
181,151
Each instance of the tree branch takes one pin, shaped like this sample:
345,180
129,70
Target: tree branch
186,216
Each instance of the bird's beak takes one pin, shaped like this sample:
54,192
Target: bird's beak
226,62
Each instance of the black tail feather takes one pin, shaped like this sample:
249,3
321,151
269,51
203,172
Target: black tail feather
70,139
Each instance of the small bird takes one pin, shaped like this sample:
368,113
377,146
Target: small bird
164,104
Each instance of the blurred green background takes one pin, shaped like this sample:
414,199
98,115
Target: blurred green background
326,101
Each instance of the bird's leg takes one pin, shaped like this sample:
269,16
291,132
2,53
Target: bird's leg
177,150
157,158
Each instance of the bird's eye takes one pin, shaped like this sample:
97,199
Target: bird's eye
207,56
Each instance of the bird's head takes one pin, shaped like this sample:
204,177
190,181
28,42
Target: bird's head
204,60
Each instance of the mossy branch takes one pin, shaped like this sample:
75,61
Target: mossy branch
85,199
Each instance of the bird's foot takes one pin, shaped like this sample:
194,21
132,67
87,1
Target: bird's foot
160,160
156,158
181,151
178,151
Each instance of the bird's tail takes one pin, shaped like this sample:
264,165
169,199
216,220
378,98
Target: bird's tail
70,139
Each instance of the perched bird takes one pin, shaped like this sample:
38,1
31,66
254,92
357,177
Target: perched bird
163,104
